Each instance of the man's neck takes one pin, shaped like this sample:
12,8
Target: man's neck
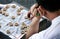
51,16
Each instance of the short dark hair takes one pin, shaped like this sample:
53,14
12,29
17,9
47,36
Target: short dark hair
50,5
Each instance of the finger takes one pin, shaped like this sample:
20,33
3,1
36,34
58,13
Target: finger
29,13
39,12
34,12
33,7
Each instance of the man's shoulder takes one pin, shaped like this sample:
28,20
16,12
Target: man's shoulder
38,35
35,36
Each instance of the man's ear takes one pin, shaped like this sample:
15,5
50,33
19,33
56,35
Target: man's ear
43,11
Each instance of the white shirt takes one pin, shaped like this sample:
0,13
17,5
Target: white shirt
53,32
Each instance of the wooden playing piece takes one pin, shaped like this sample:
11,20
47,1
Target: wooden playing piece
16,24
22,32
19,10
10,23
6,14
21,7
25,30
0,11
26,17
13,6
4,9
23,26
18,13
13,17
7,6
8,32
3,13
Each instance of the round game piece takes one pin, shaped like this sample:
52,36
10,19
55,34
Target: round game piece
0,11
10,23
19,10
7,6
3,13
6,14
13,17
4,9
25,30
23,26
26,17
18,13
13,6
16,24
22,32
8,32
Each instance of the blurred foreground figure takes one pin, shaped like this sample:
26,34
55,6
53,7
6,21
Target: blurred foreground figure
51,10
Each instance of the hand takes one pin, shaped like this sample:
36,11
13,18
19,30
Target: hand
33,11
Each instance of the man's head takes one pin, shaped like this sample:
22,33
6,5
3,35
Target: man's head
52,6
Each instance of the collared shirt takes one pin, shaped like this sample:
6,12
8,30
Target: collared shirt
53,32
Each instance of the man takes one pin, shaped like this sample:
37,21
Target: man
49,9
